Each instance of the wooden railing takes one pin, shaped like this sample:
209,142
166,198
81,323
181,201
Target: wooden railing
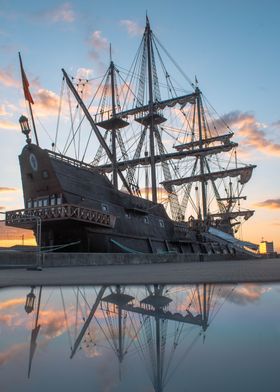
27,217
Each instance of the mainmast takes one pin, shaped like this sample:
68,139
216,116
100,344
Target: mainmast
113,131
151,109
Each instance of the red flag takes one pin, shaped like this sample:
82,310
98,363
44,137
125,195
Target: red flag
25,84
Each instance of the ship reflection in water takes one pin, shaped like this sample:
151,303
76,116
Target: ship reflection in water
140,338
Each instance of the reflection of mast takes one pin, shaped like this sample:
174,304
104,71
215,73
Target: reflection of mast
34,334
114,304
158,302
87,322
158,315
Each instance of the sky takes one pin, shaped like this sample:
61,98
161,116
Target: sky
231,46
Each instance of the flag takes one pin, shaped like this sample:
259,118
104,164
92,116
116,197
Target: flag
25,84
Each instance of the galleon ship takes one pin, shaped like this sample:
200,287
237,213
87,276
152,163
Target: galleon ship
146,167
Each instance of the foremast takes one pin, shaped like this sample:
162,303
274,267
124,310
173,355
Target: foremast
95,129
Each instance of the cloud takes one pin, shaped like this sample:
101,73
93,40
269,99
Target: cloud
7,78
63,13
269,203
97,41
132,27
8,125
46,102
7,189
7,109
81,82
98,45
3,111
252,133
162,194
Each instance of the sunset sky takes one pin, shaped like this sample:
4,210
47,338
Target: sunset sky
232,47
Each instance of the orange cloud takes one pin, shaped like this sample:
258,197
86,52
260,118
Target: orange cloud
8,125
132,27
252,132
162,194
46,103
270,203
7,189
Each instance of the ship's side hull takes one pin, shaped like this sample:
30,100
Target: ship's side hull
65,197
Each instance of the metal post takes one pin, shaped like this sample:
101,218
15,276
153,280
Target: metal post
38,235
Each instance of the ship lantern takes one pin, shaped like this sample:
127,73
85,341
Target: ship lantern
25,129
30,300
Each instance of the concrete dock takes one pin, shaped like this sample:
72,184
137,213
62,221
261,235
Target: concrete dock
238,271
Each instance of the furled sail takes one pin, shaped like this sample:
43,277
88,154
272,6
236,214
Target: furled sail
221,138
245,174
123,165
182,100
234,214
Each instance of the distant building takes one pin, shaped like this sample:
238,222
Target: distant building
266,248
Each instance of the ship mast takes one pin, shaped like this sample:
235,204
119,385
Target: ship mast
201,157
95,128
151,104
114,152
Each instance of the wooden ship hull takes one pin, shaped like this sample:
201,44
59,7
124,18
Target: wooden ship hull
78,209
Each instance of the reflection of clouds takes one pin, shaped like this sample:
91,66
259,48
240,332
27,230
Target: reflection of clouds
52,323
107,379
9,316
248,293
12,352
11,302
